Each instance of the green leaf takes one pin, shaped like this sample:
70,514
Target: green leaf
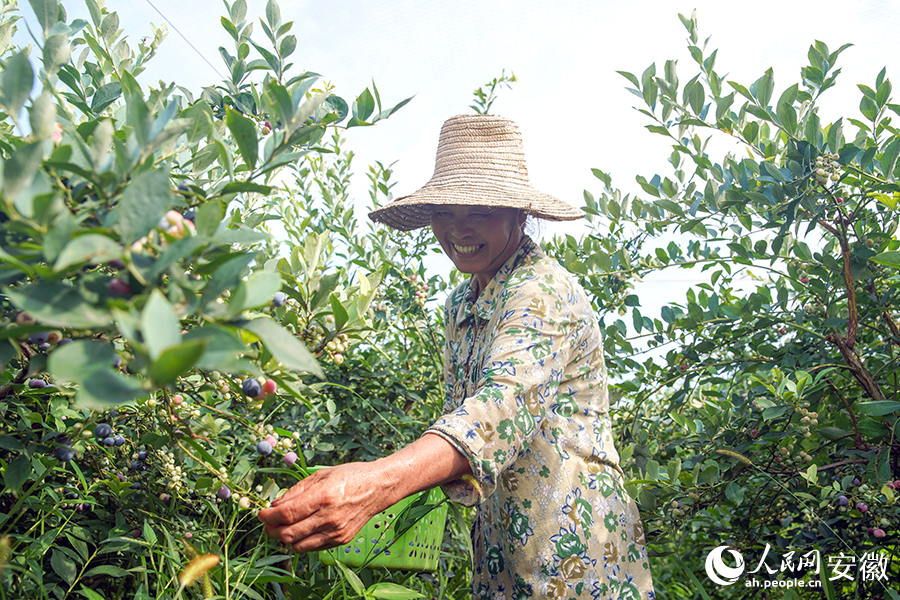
888,259
89,364
835,136
287,46
175,361
227,276
8,442
352,578
364,105
56,304
73,362
89,593
47,13
19,171
273,15
244,132
255,292
56,52
877,408
109,571
340,313
889,158
144,202
17,473
91,248
735,493
238,11
246,186
105,95
764,87
209,216
223,347
42,115
17,79
868,108
392,591
94,9
159,324
283,346
109,28
63,566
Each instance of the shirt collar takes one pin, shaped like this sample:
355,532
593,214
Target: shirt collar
483,304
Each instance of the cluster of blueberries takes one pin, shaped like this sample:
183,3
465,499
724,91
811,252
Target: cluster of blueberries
104,433
41,340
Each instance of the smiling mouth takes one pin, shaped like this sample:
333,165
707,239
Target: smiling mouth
466,249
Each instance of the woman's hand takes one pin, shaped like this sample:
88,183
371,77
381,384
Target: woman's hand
329,507
326,509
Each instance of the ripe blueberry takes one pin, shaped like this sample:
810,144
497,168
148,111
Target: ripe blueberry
190,214
843,501
136,485
137,465
37,383
279,298
252,388
103,430
109,441
264,447
64,454
120,441
38,337
142,455
224,492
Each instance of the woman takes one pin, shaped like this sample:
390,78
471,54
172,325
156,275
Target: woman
526,435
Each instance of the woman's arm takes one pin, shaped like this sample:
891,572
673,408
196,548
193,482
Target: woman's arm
329,507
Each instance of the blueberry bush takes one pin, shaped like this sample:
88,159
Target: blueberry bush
763,407
189,309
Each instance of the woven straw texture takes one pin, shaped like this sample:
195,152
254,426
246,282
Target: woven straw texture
480,162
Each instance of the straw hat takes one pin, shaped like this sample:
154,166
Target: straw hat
480,162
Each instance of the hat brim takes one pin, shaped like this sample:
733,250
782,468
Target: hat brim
414,211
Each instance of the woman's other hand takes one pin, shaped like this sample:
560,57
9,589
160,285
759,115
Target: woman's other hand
326,509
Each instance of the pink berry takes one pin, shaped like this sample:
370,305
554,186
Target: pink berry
754,433
290,458
269,387
177,399
804,280
271,439
861,507
188,535
879,533
117,287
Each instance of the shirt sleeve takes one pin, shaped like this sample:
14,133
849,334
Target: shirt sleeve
525,355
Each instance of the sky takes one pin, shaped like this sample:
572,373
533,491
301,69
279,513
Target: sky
572,107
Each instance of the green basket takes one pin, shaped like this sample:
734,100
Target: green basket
417,549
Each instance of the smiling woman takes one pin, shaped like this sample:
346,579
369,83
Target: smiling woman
526,433
478,239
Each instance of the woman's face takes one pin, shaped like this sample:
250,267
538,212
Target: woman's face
478,239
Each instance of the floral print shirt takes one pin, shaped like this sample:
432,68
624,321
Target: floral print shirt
527,405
